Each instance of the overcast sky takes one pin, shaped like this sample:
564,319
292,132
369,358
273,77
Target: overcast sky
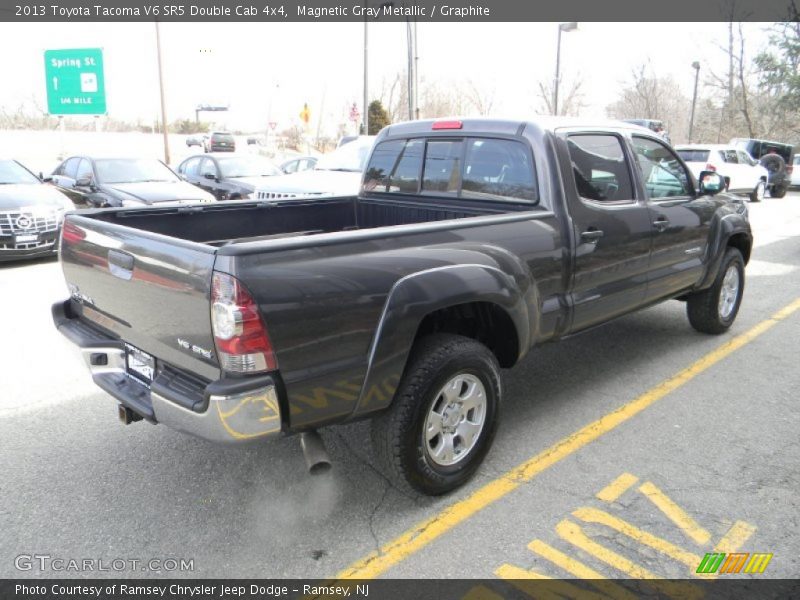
245,65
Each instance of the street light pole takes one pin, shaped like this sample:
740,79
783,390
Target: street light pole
366,80
163,102
571,26
696,67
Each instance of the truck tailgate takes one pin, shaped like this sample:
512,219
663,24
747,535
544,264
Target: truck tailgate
150,290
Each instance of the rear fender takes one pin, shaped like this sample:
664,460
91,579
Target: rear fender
417,295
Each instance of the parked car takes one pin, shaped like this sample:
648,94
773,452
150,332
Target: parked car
194,141
346,139
98,182
219,141
652,124
335,174
31,213
296,165
470,243
795,180
226,176
775,157
742,173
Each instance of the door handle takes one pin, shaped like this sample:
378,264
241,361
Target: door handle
661,224
592,235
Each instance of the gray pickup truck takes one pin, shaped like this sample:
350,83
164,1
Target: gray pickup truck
471,242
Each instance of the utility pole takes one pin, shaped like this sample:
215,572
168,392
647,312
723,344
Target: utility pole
410,43
416,72
366,80
571,26
696,67
163,103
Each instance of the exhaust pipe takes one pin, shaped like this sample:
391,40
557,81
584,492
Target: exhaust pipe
317,459
127,416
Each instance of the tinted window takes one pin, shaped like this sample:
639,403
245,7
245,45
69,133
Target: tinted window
208,167
381,163
694,155
498,170
442,166
729,156
662,173
189,167
84,170
291,167
71,167
222,137
405,175
598,164
744,158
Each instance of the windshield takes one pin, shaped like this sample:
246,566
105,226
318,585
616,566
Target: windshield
12,172
132,170
244,166
350,157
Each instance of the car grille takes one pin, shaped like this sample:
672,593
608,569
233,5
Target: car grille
279,195
40,223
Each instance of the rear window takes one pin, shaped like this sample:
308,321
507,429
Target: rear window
693,155
222,137
492,169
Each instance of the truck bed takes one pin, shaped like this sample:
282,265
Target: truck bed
235,222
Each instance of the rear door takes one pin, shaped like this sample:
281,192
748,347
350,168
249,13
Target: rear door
680,219
611,227
149,290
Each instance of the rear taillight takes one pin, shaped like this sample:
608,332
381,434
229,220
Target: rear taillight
242,341
72,234
710,167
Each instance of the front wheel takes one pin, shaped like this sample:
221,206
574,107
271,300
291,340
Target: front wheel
443,417
714,310
757,195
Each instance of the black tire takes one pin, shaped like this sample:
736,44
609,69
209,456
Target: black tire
777,191
397,434
703,308
754,195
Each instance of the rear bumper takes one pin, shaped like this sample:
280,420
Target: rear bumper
225,411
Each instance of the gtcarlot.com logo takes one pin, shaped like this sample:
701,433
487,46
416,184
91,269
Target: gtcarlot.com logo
46,562
736,562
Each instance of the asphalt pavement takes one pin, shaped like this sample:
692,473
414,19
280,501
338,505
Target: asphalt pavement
692,447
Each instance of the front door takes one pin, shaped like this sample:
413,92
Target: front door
680,218
612,230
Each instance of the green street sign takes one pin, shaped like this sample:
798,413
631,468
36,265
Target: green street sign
75,82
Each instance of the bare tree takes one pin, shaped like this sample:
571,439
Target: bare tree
571,102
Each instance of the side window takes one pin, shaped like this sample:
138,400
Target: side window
744,158
71,167
292,166
405,175
662,172
208,167
730,156
381,163
498,170
84,170
190,167
599,167
442,166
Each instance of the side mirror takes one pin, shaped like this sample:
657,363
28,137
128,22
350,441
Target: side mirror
209,176
711,183
83,182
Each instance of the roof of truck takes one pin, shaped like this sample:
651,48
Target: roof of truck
509,126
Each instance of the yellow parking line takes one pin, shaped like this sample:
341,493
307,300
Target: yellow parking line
573,533
675,513
737,535
545,587
431,529
616,488
592,515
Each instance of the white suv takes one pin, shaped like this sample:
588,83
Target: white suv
741,171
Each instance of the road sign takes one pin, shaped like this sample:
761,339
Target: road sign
355,115
75,82
273,125
305,114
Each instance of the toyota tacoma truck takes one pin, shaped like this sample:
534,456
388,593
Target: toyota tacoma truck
470,243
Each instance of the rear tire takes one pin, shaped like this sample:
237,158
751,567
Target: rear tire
777,191
757,195
442,421
714,310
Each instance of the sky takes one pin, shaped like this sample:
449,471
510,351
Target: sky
266,72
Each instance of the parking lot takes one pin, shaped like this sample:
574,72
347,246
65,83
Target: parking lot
628,451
